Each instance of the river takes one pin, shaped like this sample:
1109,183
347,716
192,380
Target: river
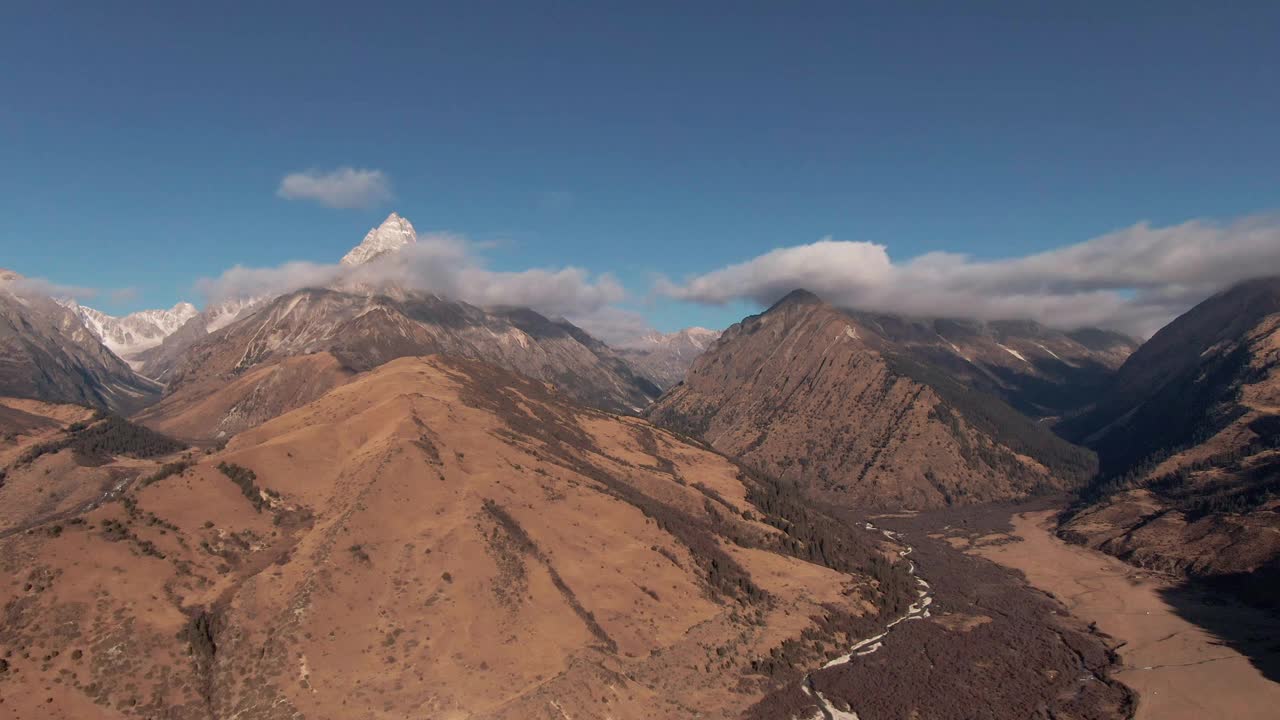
917,610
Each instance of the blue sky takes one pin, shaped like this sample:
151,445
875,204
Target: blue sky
141,146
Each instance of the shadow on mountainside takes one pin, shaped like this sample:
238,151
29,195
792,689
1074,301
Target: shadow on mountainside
1219,606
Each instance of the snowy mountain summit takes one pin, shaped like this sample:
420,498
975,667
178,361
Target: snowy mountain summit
690,339
126,336
393,234
665,358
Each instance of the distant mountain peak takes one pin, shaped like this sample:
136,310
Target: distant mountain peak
392,235
50,354
799,296
699,332
698,336
664,358
130,334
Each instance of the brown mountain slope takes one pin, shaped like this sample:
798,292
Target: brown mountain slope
1189,437
46,353
65,459
217,409
258,355
1184,384
436,538
805,392
1040,371
17,422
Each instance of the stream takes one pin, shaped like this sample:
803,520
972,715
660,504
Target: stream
917,610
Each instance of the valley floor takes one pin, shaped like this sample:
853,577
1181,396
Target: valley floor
1179,668
989,645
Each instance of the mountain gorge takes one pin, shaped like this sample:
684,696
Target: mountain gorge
639,361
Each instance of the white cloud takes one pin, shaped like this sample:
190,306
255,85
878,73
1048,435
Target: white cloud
443,264
242,282
825,264
1135,279
614,325
344,187
38,287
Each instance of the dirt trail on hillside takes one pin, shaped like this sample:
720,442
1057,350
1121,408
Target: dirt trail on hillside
1179,669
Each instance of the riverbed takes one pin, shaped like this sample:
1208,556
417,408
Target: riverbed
1180,670
985,644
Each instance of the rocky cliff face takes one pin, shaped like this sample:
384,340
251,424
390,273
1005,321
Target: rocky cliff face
806,392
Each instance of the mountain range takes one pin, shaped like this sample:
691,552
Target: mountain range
158,361
129,335
1040,371
348,333
364,495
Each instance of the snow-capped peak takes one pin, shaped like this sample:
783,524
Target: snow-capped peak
694,338
220,315
393,234
134,332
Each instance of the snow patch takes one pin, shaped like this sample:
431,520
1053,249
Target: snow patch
1062,360
1015,353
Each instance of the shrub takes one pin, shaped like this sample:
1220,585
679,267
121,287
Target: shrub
168,470
104,439
245,479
